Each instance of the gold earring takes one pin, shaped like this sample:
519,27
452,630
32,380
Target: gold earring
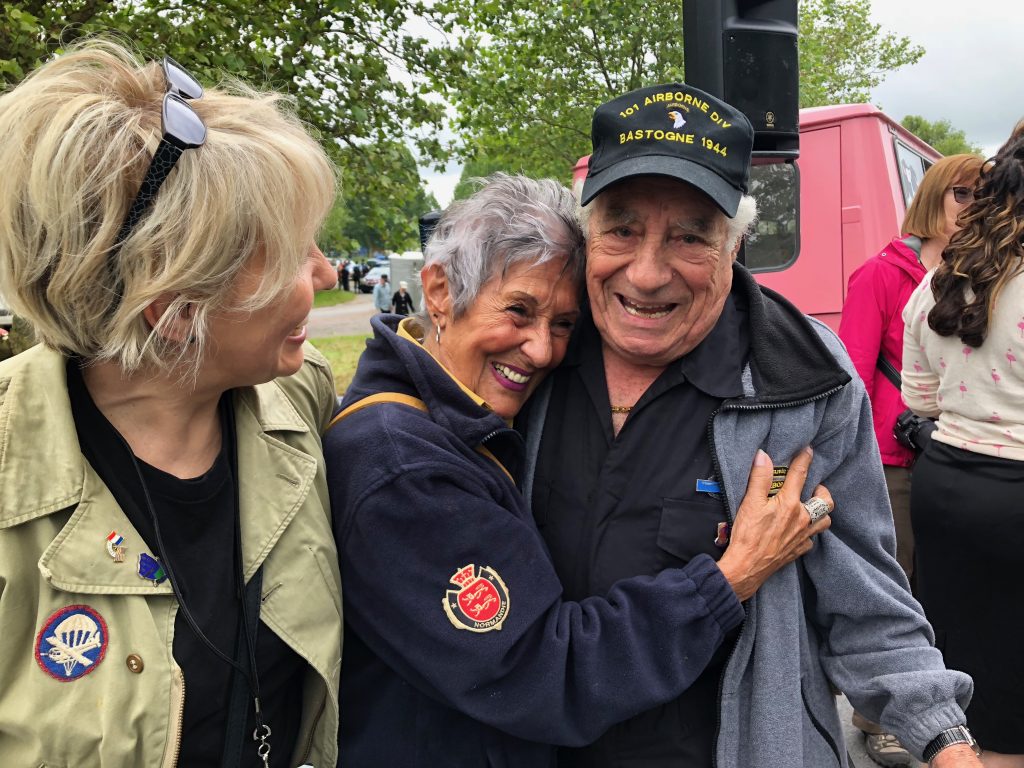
437,335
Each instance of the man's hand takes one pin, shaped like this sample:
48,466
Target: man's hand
769,533
956,756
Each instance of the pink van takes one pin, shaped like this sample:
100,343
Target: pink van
857,172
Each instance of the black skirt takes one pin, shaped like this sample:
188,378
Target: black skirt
967,511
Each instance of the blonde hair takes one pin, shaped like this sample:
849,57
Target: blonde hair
76,138
926,216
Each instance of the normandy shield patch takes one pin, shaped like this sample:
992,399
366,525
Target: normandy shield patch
481,601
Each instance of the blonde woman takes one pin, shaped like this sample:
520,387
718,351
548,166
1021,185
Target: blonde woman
169,590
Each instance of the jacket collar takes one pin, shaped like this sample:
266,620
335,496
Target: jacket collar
901,255
37,431
392,363
789,361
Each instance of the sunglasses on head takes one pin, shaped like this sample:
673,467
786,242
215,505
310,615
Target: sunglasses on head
182,129
963,194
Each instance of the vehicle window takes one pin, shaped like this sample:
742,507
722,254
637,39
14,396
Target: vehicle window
775,240
912,167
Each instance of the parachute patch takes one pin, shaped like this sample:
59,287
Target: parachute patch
72,643
480,603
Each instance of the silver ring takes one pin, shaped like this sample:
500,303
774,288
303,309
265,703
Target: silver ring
817,508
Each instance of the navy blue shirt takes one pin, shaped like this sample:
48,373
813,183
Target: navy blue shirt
612,507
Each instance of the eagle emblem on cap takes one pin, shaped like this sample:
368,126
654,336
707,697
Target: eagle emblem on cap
678,121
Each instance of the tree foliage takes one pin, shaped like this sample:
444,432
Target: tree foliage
382,213
941,135
355,72
534,72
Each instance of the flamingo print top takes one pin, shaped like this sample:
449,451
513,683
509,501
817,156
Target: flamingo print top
977,394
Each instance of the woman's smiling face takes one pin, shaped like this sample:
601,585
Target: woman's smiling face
515,331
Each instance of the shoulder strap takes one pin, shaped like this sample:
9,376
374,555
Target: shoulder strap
413,402
890,372
238,704
380,397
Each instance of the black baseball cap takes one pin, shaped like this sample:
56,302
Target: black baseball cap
672,130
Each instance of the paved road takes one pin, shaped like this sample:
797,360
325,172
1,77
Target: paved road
343,319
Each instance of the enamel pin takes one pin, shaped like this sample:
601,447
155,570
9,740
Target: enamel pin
151,570
115,546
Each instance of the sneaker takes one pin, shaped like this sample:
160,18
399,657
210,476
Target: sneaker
885,749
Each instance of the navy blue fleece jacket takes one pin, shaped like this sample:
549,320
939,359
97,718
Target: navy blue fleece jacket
414,502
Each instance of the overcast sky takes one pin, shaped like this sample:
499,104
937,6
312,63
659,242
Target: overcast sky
971,73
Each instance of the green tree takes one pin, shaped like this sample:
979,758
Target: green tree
340,60
477,167
382,213
941,135
534,72
843,55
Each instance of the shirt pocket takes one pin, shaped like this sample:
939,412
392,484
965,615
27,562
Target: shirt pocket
689,527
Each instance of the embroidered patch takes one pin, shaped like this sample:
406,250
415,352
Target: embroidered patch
72,643
480,603
778,478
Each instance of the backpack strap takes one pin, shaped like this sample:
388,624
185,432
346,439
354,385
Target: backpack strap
412,402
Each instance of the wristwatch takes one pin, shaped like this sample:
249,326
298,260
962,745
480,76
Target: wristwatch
956,735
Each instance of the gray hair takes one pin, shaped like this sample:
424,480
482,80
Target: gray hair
510,219
736,227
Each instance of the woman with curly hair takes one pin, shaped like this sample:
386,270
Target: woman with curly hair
963,355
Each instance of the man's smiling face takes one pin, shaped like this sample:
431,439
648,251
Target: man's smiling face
658,268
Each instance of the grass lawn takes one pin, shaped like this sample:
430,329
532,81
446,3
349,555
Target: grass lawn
342,352
331,297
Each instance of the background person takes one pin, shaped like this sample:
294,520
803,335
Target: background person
460,650
962,356
680,372
382,295
401,302
872,325
162,444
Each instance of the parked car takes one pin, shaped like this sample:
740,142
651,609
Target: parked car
371,278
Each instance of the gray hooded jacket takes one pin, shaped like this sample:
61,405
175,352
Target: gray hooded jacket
843,612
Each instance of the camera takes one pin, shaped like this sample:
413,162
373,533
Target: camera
913,431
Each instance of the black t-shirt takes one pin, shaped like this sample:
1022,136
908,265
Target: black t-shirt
612,507
197,526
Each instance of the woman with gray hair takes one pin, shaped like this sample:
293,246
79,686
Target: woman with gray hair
169,589
459,649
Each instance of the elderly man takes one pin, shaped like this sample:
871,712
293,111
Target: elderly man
639,447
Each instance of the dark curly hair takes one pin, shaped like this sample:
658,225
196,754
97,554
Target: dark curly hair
986,253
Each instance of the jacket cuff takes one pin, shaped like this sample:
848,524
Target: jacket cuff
718,594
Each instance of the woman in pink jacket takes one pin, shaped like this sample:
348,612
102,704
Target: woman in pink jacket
872,326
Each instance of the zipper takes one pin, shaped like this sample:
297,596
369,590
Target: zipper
738,406
822,731
308,748
178,687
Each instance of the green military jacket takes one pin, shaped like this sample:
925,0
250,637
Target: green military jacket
86,672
